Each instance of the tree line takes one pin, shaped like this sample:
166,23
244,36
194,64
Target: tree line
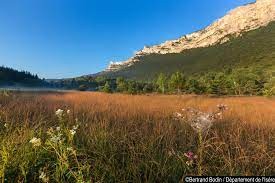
243,81
11,77
240,81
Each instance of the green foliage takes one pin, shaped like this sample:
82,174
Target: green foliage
131,88
252,80
219,84
100,80
148,88
177,82
193,86
161,82
238,81
269,87
121,84
246,81
106,88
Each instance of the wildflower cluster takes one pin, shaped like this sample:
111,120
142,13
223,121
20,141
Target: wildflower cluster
191,157
73,130
55,135
60,145
36,142
59,113
201,121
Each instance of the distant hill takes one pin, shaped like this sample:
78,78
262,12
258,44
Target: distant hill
11,77
253,49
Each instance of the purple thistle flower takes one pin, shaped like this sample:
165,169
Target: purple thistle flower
189,155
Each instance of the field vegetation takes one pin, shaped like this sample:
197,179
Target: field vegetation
97,137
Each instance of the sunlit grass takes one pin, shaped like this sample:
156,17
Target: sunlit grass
114,137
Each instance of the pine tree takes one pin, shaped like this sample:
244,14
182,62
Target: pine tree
161,82
107,88
177,82
121,84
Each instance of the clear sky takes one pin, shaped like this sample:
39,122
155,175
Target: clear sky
66,38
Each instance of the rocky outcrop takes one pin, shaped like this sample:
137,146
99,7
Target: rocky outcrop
234,24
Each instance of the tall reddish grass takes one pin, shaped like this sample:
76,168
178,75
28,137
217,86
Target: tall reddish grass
136,138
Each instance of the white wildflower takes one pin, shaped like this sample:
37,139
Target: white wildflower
36,142
75,127
70,149
73,132
179,115
5,125
56,138
55,135
43,177
59,112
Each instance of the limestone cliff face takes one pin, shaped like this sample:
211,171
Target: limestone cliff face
235,23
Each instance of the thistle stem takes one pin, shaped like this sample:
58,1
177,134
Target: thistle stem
200,150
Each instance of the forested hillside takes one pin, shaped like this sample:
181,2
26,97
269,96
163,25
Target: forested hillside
12,77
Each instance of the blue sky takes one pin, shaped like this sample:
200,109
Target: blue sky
66,38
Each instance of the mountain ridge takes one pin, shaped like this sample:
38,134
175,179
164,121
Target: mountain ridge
234,24
255,48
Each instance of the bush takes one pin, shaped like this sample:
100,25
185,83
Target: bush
82,88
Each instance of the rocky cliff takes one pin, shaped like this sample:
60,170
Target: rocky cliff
234,24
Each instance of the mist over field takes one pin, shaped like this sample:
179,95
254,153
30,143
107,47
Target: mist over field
31,89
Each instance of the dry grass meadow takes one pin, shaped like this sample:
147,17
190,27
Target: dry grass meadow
124,138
